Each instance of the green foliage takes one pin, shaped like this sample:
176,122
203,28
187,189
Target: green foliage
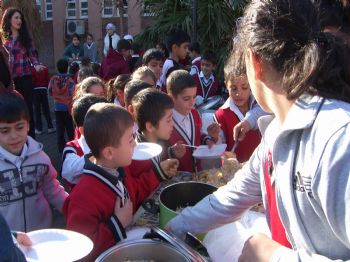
215,23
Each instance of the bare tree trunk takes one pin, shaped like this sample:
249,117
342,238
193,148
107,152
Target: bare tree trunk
121,11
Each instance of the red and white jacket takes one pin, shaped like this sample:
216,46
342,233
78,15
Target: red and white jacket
228,116
89,209
147,173
73,160
187,162
206,87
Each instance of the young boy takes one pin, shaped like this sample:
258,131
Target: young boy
153,114
28,184
73,153
61,88
116,61
40,82
182,89
154,59
239,103
207,85
99,206
145,74
74,51
195,54
177,43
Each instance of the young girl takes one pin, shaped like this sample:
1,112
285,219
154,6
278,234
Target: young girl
115,90
301,168
233,111
90,85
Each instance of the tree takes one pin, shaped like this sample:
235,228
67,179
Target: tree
215,23
31,15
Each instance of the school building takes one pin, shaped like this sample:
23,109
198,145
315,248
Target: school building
62,18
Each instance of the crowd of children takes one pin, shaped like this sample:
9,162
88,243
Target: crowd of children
101,113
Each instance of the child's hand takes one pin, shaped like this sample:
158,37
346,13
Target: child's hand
169,166
240,130
210,143
179,150
214,131
23,239
124,213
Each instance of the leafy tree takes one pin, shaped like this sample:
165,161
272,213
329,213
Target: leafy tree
215,23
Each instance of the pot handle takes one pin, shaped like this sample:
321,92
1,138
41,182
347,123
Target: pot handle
150,206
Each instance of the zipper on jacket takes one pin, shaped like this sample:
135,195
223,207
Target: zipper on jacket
23,199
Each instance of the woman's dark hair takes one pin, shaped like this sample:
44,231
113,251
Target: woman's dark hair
23,34
286,34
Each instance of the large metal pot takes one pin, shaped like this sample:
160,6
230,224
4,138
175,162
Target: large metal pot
143,249
181,194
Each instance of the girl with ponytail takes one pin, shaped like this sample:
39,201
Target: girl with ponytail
300,171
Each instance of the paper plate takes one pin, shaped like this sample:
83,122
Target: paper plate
57,245
145,151
203,152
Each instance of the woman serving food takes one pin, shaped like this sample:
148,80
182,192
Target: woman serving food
301,168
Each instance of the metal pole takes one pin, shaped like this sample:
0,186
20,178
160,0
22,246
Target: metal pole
194,20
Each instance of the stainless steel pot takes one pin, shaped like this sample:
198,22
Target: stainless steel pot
143,249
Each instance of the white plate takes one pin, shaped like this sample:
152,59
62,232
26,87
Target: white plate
203,152
57,245
145,151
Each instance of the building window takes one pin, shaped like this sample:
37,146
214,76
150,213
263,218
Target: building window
71,8
84,9
109,8
48,9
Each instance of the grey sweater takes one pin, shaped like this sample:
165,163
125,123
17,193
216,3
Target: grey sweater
90,52
311,160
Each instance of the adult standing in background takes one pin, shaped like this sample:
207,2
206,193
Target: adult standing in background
111,39
22,56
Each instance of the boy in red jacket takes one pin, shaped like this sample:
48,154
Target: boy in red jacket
207,85
74,151
40,83
153,114
234,110
187,121
99,206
